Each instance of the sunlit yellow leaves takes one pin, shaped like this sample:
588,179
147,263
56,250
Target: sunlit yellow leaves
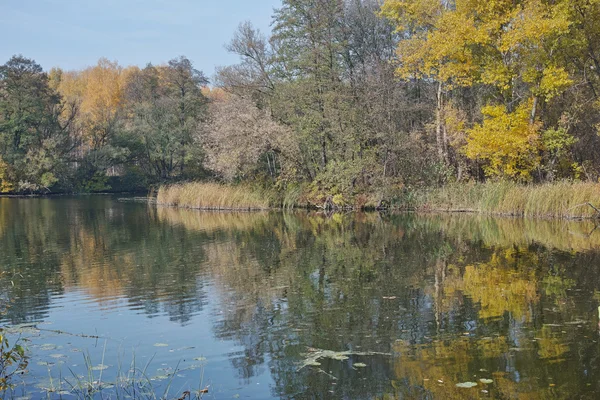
497,74
506,142
531,24
99,93
498,43
555,80
411,15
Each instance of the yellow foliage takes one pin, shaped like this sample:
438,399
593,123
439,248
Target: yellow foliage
498,289
491,42
99,93
6,185
409,15
507,142
554,81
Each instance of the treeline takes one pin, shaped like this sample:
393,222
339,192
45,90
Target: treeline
354,99
73,131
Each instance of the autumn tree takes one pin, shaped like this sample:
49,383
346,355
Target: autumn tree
510,47
97,93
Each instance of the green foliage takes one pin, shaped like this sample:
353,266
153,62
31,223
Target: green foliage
97,183
12,361
33,142
557,144
167,105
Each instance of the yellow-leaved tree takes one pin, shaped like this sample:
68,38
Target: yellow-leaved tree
98,92
507,142
512,47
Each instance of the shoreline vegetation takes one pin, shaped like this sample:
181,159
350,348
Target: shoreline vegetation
563,200
341,105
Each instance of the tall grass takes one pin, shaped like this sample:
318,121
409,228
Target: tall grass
557,200
131,382
214,196
552,200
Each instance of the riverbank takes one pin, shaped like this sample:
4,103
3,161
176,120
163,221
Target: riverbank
579,200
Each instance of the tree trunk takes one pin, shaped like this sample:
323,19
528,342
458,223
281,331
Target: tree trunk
533,110
439,128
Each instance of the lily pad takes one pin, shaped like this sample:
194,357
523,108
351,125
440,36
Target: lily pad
486,381
100,367
466,385
161,345
359,365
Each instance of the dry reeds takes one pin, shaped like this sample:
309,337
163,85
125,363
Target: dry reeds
552,200
213,196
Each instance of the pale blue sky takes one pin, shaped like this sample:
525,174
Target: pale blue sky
73,34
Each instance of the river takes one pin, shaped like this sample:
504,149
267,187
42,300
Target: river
114,298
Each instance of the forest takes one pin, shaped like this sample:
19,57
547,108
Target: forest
353,99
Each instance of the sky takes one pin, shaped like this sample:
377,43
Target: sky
73,34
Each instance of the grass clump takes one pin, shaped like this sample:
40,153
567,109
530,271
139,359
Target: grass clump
557,200
214,196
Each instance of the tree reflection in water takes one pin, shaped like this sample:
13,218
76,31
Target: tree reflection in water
451,298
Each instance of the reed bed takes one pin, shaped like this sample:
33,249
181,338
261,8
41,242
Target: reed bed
213,196
553,200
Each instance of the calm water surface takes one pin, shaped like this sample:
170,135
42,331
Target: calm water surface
303,305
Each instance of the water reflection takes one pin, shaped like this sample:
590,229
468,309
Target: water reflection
420,302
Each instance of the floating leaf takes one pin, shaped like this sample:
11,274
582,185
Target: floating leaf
360,365
312,363
315,354
44,363
486,381
466,385
161,345
340,357
200,359
100,367
58,356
